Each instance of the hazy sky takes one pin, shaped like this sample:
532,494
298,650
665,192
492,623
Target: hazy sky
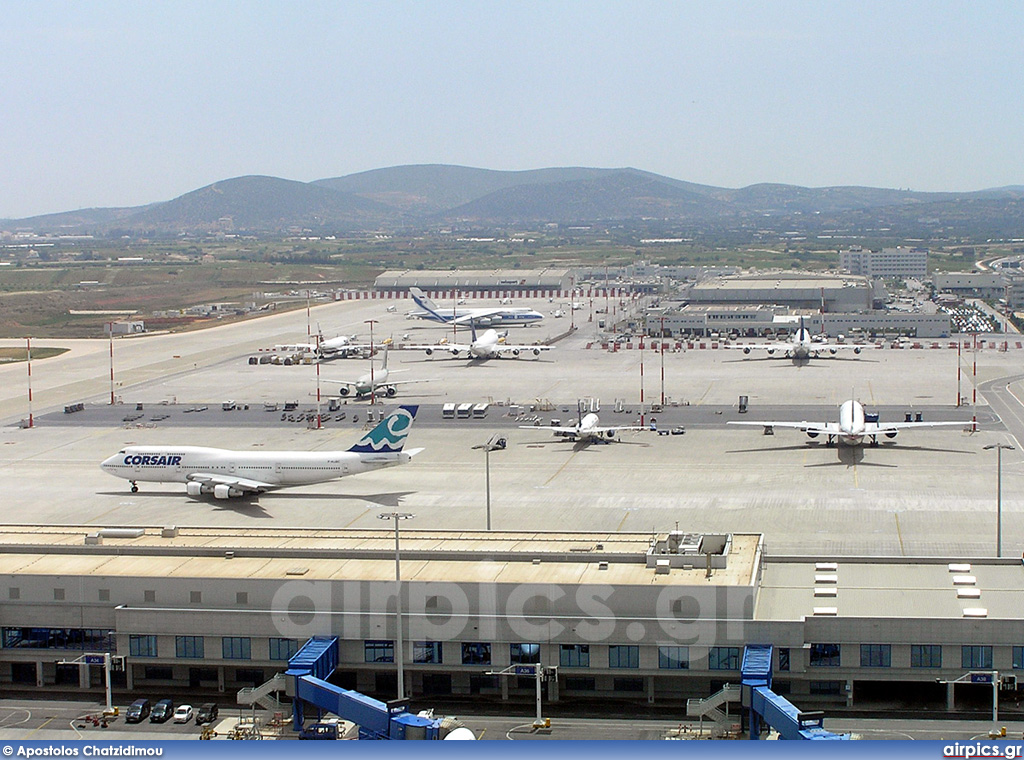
126,103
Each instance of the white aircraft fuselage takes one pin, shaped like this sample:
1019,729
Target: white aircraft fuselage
227,474
174,464
852,429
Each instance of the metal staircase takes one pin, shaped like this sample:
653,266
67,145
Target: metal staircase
263,694
709,707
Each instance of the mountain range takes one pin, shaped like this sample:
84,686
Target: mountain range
433,195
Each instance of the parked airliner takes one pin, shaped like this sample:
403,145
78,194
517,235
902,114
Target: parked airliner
378,380
853,428
227,474
588,429
501,315
799,346
490,345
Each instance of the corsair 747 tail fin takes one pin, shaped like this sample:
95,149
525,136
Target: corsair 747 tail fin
388,437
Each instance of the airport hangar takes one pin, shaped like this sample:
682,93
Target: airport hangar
641,616
478,283
898,621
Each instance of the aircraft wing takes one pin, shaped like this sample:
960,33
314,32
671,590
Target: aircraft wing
438,347
824,428
756,346
242,484
880,428
465,319
557,430
504,348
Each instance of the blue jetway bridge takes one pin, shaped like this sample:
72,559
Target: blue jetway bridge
306,684
774,709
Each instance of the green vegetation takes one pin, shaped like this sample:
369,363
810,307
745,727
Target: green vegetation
21,354
38,295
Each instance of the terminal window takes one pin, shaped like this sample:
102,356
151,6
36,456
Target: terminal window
875,655
825,655
189,647
574,656
976,657
724,658
1018,658
925,656
378,651
524,654
142,646
426,652
674,658
283,649
236,647
476,653
95,639
784,658
624,656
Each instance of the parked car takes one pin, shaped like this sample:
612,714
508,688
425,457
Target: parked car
183,714
137,711
207,713
162,711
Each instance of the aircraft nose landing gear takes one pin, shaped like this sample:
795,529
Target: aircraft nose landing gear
135,486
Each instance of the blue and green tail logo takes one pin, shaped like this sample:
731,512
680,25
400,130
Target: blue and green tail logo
390,434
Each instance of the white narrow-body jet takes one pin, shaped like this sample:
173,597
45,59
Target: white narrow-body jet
228,474
854,428
374,381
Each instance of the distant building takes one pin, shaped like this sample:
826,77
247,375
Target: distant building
749,321
889,263
798,291
475,281
125,327
971,284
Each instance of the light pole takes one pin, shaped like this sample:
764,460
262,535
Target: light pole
999,492
661,347
373,399
493,444
399,646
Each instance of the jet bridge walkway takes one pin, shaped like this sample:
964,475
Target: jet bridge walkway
773,709
306,683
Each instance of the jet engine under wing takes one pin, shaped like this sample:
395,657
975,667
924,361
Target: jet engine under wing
211,480
504,348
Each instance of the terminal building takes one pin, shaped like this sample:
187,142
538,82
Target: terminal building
752,321
889,263
646,616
